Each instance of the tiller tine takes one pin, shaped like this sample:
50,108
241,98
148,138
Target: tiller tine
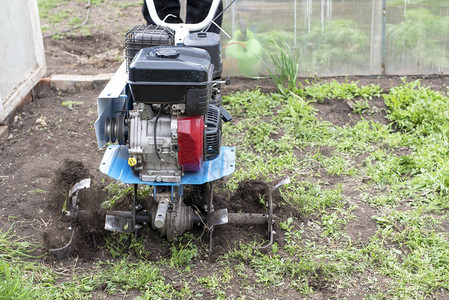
118,224
172,217
64,251
222,216
219,217
73,212
270,210
122,221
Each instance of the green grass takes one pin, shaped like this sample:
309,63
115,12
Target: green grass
13,285
57,16
46,6
419,178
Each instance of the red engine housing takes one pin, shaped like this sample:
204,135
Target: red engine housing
190,141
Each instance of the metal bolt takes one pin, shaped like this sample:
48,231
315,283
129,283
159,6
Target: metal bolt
137,227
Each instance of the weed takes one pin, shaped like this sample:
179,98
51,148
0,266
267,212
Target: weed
118,191
361,107
183,253
70,104
341,91
45,6
332,224
338,165
309,198
13,248
124,244
286,66
251,103
210,282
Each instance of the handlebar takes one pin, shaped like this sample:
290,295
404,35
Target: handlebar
181,29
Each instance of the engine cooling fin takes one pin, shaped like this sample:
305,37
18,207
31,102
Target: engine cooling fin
213,133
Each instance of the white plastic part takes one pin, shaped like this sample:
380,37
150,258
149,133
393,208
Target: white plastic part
182,30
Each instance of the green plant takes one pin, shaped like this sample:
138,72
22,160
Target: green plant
342,91
310,198
118,191
286,66
70,104
13,285
13,248
124,244
37,191
361,106
332,224
183,253
46,6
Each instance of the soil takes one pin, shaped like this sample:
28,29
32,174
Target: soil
52,146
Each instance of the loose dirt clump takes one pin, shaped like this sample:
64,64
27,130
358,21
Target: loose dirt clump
65,177
250,196
89,223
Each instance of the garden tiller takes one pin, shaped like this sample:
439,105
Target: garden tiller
161,114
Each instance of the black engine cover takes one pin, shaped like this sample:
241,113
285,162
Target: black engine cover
171,75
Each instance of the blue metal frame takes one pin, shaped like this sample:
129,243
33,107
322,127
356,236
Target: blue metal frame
115,165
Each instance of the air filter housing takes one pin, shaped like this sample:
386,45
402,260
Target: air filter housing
144,36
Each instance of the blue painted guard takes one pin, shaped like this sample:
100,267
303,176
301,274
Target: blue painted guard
115,165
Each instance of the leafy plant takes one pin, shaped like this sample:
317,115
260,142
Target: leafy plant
414,107
342,91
